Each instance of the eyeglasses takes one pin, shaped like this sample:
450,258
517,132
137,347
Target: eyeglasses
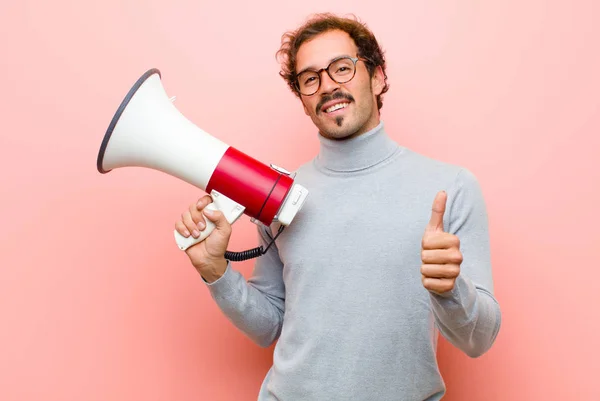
340,70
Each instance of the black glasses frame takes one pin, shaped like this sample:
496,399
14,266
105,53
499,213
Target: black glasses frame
353,59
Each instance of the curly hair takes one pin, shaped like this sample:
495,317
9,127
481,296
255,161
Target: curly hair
368,47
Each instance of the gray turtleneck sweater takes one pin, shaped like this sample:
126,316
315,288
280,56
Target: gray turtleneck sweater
340,291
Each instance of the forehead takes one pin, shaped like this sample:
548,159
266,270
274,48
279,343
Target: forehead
318,52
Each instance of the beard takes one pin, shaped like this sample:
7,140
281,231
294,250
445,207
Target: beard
351,123
344,126
339,131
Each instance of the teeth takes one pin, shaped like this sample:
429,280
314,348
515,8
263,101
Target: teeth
336,107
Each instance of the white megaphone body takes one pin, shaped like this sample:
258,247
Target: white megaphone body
148,131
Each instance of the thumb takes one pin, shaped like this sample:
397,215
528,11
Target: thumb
217,217
436,223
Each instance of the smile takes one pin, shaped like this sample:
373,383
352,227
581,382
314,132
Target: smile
336,107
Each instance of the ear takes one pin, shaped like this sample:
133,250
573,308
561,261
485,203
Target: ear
378,81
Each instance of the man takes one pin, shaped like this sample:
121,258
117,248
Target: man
390,248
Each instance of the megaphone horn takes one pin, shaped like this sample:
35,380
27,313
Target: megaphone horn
148,131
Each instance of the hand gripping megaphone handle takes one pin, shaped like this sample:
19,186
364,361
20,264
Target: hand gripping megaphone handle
231,210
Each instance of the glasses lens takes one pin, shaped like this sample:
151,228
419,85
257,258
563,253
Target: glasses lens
342,70
308,82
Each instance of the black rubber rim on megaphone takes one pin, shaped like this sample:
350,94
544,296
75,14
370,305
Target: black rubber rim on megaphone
117,115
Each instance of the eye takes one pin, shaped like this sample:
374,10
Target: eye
310,80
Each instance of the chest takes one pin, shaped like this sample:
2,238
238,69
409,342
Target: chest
352,231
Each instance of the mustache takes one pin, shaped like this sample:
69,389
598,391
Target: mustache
335,96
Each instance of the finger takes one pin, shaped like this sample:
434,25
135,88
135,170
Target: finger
439,285
190,224
439,240
197,217
182,229
441,256
440,271
436,223
203,202
200,205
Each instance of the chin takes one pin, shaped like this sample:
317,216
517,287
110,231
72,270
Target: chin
343,131
338,134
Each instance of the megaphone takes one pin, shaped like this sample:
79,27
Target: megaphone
148,131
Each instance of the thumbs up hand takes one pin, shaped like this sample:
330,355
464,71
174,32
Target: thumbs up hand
440,251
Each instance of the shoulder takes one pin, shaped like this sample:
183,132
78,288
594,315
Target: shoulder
428,168
429,164
432,175
306,172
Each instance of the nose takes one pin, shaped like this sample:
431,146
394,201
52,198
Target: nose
328,85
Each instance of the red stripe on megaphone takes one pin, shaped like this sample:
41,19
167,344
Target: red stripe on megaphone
259,188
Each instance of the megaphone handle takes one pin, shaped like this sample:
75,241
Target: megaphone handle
184,243
231,210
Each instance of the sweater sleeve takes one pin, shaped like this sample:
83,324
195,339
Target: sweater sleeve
469,316
255,306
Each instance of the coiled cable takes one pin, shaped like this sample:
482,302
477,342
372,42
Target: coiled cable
251,253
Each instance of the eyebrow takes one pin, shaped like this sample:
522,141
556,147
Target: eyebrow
311,68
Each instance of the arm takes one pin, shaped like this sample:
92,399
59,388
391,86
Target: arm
468,315
256,306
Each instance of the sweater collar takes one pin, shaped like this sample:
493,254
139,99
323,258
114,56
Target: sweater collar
358,153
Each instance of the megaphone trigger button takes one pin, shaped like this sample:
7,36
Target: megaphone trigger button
297,198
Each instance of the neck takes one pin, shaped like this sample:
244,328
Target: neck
356,153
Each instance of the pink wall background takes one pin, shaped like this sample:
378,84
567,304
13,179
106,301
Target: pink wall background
96,301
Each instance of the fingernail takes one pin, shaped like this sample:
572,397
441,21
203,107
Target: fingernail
186,233
209,212
196,233
201,225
